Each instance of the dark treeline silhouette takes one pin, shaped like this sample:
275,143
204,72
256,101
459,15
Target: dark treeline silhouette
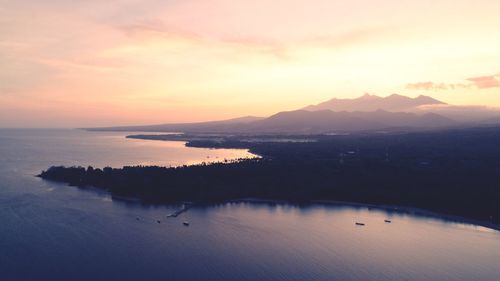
455,172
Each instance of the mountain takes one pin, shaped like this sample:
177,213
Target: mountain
368,112
463,113
368,102
221,125
327,121
304,122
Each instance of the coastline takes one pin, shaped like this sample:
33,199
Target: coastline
394,208
206,142
356,169
388,208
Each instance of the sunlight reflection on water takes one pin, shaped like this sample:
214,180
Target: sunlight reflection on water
51,231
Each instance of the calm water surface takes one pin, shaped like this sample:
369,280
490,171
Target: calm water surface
50,231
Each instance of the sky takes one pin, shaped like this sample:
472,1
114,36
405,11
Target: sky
124,62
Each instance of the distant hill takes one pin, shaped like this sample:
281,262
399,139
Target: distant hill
464,113
325,121
365,113
372,103
304,122
221,125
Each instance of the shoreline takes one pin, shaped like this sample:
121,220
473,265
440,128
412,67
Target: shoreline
394,208
388,208
189,141
414,181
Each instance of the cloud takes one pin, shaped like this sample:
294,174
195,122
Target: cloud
426,86
157,29
432,86
485,82
481,82
350,38
280,48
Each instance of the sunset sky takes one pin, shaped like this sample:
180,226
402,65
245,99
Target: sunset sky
96,63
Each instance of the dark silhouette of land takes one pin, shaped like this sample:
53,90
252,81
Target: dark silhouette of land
365,113
454,172
309,122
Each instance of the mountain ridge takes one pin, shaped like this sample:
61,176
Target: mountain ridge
369,102
365,113
327,121
172,127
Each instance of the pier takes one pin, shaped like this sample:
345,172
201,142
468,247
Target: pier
186,206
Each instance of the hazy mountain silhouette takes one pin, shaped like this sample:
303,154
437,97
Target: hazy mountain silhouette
368,112
324,121
216,126
464,113
368,102
422,104
304,122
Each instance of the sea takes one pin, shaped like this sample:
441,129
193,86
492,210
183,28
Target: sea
51,231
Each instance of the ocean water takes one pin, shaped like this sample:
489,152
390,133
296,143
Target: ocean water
50,231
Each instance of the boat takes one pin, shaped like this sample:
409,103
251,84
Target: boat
387,221
186,223
360,223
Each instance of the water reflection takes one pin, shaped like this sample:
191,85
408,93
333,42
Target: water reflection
100,149
52,231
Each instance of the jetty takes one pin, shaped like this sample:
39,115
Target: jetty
186,206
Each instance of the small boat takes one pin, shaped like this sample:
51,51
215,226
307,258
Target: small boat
186,223
360,223
387,221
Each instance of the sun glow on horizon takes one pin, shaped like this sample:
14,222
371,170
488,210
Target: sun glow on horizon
89,63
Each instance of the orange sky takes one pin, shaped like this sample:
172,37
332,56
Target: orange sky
95,63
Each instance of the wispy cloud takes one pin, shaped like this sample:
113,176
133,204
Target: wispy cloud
485,82
426,86
433,86
481,82
352,37
153,29
157,29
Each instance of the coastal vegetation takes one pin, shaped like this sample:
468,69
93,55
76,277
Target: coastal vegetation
453,172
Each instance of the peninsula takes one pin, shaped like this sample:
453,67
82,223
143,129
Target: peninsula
454,172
